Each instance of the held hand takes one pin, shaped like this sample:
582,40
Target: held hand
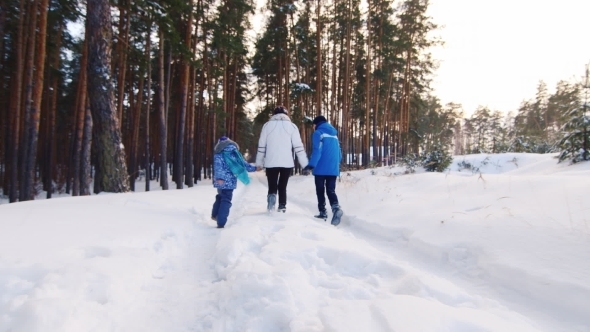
306,170
258,168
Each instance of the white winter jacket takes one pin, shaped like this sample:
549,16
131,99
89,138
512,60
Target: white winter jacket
279,138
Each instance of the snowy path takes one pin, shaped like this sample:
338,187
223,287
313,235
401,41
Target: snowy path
426,252
333,277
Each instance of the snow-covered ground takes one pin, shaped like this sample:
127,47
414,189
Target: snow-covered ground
503,246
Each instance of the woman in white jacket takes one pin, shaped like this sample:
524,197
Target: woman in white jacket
279,142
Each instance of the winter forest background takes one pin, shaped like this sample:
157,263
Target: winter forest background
146,88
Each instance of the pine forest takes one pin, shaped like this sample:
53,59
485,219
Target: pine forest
95,95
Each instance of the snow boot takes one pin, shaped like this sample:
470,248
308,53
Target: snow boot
337,214
323,215
282,208
271,199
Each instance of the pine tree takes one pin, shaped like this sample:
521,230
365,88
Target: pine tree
112,175
575,143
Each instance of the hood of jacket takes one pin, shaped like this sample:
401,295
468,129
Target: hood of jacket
326,128
222,145
280,117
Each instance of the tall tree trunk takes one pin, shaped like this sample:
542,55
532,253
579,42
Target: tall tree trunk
52,110
16,103
333,114
80,110
226,93
162,113
197,97
121,56
37,96
377,87
3,10
110,152
232,97
77,153
366,147
148,103
136,123
30,113
287,89
319,58
279,82
190,135
405,106
4,108
346,118
85,164
126,120
202,118
198,160
182,110
212,117
386,122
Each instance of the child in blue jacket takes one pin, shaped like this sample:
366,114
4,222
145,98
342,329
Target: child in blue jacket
229,166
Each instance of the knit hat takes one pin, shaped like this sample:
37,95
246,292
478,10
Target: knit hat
319,119
223,138
279,110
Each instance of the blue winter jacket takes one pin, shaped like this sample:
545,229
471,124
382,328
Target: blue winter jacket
221,170
326,155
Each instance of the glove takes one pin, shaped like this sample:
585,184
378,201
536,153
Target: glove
306,170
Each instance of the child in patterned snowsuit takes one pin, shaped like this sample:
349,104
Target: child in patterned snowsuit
229,166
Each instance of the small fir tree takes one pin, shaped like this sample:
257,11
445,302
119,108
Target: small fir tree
576,135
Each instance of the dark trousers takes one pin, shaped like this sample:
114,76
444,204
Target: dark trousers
278,177
222,205
327,184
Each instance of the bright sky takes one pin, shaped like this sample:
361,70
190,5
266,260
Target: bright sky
496,52
501,250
